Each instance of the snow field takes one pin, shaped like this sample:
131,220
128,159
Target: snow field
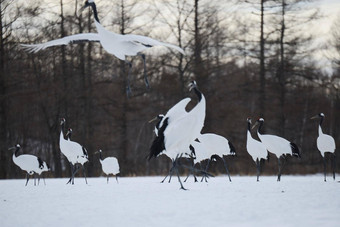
144,201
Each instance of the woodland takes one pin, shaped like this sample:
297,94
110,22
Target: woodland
250,58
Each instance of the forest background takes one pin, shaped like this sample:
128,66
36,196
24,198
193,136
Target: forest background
276,59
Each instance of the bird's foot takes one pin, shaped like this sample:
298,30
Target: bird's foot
183,188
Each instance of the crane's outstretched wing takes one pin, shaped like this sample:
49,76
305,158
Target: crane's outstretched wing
83,37
177,111
149,42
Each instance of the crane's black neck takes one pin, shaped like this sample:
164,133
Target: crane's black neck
249,128
198,93
16,151
321,120
95,14
160,118
100,155
260,126
69,134
63,129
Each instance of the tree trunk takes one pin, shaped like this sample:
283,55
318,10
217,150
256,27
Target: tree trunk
262,92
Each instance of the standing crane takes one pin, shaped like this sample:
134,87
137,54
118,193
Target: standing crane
256,149
325,144
174,137
109,165
277,145
29,163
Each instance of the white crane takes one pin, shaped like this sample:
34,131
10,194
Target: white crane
277,145
109,165
115,44
79,156
325,144
74,152
256,149
215,146
175,136
29,163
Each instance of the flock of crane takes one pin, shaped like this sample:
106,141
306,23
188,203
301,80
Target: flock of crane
177,133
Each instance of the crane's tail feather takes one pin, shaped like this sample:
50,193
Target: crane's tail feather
295,150
232,148
33,48
174,47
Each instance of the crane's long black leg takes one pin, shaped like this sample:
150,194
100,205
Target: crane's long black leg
206,170
187,177
35,179
27,176
226,168
75,171
333,165
128,87
324,168
84,174
117,179
258,169
179,179
170,174
107,179
72,171
145,74
191,171
280,169
166,176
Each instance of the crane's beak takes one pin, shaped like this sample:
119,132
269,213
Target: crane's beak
81,9
256,123
314,117
152,120
11,148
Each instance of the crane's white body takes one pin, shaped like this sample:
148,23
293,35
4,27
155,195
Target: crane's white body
325,143
275,144
184,130
30,164
110,165
115,44
255,148
278,146
73,151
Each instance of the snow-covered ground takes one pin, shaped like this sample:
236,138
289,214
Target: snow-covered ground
144,201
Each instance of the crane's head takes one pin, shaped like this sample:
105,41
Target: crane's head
320,115
62,121
98,152
16,147
69,133
159,117
249,120
258,122
86,4
192,85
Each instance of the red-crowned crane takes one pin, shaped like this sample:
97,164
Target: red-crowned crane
109,165
174,137
115,44
277,145
29,163
325,144
74,152
256,149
